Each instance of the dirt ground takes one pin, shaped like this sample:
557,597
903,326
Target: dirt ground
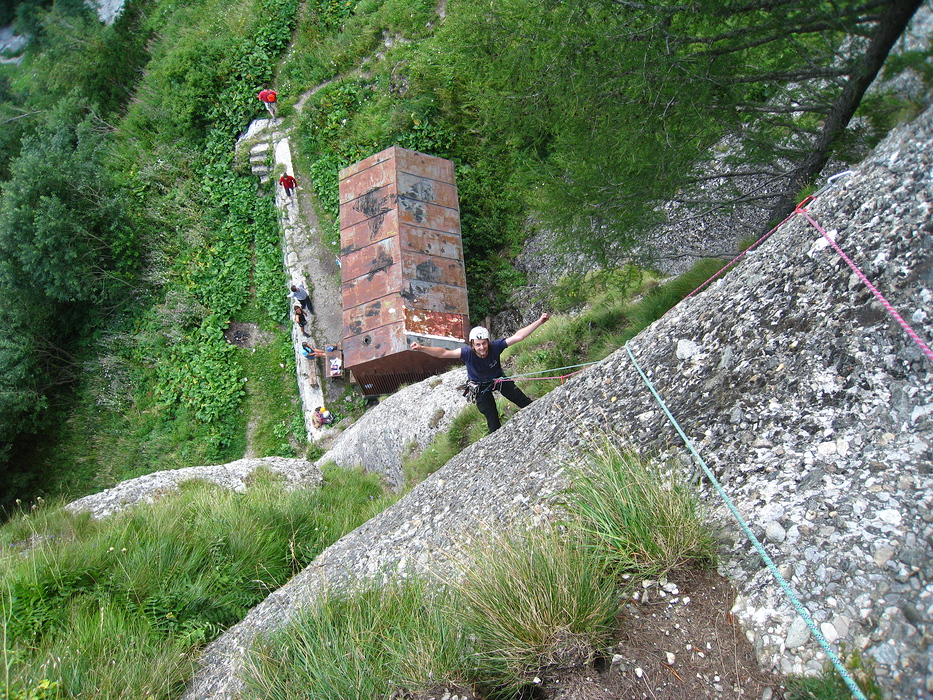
666,649
712,658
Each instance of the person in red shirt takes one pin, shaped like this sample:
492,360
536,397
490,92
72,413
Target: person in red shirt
268,98
288,183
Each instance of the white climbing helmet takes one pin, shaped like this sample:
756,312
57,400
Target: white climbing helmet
479,333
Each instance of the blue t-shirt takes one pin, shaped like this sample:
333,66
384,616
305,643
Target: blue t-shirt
484,369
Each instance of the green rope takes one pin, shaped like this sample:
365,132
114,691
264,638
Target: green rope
798,606
556,369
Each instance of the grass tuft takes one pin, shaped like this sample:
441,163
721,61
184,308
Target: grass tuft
534,602
120,607
360,645
637,519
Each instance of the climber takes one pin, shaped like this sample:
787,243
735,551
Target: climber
321,417
311,352
484,368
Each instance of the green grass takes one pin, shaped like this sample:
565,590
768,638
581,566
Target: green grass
272,399
527,602
467,427
640,519
120,608
831,686
614,307
533,602
524,602
360,646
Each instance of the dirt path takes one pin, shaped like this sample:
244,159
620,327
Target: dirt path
307,262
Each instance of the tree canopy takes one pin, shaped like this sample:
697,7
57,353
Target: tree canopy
619,107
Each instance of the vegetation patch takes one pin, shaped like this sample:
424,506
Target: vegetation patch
120,608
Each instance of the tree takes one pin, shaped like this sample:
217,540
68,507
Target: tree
62,231
65,252
619,107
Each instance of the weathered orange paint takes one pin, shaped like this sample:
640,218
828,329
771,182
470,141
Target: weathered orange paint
403,276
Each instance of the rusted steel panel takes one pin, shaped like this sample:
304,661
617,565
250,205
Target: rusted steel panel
415,213
424,322
373,206
423,189
378,343
378,175
435,297
371,261
368,231
378,312
362,290
429,242
427,166
429,268
360,166
401,265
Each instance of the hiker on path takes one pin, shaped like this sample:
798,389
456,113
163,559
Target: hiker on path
300,294
310,352
301,319
268,98
288,183
484,368
321,417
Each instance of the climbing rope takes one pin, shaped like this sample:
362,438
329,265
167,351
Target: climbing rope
788,591
741,255
800,209
562,377
830,181
861,275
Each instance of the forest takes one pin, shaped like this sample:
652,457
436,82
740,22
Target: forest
131,237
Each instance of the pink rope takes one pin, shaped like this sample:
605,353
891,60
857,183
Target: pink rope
861,275
740,256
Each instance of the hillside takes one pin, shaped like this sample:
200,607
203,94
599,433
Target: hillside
146,329
808,403
129,267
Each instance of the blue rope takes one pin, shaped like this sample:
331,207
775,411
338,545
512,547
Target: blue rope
798,606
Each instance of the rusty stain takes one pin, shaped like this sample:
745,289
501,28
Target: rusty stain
373,309
449,325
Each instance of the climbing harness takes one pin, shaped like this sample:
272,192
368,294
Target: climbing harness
562,377
473,390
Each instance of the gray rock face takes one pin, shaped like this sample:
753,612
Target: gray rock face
235,475
811,406
382,438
